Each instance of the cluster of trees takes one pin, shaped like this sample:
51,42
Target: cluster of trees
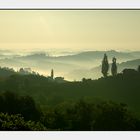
105,66
12,103
6,72
17,123
26,71
48,93
88,116
20,113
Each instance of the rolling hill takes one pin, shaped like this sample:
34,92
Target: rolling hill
74,66
95,72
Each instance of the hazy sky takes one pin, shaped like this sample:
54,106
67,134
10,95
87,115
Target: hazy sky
96,30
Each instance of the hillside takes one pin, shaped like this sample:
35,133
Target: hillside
92,55
122,88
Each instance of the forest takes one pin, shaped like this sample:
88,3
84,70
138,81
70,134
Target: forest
33,102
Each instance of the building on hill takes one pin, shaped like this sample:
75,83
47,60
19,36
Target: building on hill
28,70
59,79
25,71
55,79
86,80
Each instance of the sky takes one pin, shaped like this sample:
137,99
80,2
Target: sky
70,29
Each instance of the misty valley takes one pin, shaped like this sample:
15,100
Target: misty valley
69,64
70,91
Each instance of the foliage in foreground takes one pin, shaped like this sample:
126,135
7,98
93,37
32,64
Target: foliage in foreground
84,116
76,116
17,123
12,103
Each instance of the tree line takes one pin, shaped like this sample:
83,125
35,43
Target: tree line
105,66
77,116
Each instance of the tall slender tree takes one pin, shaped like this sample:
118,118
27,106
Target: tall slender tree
139,68
114,67
105,66
52,74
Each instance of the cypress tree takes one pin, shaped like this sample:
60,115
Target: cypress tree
114,67
139,68
105,66
52,74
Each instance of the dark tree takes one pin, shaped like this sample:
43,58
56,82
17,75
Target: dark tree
52,74
115,117
105,66
114,67
139,68
12,103
17,123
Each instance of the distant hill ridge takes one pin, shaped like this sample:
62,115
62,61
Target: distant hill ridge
95,72
68,66
88,54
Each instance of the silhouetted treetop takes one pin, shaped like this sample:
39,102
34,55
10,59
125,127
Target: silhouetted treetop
114,67
139,68
105,66
14,104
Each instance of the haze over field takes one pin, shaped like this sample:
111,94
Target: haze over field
68,64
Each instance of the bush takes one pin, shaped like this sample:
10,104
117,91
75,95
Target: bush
12,103
17,123
84,116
